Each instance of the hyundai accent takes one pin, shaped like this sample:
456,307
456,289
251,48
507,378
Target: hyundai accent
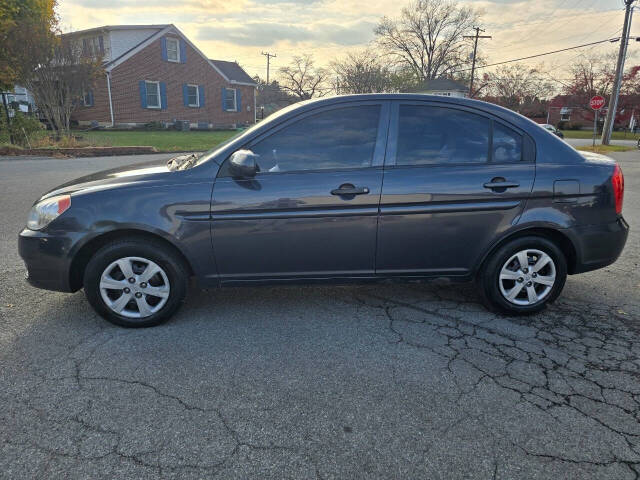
350,188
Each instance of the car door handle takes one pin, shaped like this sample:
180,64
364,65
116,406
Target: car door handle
348,189
501,185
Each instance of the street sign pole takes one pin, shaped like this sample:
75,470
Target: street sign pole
596,103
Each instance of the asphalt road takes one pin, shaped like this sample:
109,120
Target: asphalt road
585,142
384,381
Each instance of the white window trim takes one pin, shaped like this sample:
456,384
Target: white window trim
197,87
157,84
235,100
177,41
84,99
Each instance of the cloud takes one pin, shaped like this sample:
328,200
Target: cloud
239,29
255,33
263,34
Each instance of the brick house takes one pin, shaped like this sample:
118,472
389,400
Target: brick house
442,86
156,74
573,112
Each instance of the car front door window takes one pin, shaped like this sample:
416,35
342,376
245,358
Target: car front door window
336,139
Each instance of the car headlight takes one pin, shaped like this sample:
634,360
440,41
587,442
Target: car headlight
45,211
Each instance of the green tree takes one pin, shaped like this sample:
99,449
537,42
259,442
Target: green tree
28,30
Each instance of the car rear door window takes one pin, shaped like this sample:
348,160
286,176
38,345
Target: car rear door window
507,144
435,135
334,139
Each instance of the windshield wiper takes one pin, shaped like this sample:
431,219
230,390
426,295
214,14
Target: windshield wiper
183,162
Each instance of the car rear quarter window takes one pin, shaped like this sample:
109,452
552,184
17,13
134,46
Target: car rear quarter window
334,139
435,135
507,144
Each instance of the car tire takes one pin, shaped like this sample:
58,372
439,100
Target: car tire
134,302
502,275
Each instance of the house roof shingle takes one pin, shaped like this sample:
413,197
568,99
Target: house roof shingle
442,84
118,27
233,71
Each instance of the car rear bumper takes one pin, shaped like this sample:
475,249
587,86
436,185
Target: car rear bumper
46,258
598,245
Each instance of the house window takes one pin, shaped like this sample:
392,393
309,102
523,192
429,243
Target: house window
230,104
173,50
193,99
87,98
153,94
93,46
565,114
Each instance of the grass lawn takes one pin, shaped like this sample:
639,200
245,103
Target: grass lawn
589,134
606,148
163,140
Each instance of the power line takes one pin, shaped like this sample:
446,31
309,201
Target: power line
566,19
549,20
542,54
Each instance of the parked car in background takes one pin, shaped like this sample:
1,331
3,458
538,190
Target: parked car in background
471,191
552,129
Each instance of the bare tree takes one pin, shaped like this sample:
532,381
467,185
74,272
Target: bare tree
428,37
591,75
517,86
60,81
302,79
362,72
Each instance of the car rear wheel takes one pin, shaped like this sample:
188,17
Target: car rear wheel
523,276
135,283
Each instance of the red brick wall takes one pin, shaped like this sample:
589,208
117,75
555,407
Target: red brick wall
100,110
148,65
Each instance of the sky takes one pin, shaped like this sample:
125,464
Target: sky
241,29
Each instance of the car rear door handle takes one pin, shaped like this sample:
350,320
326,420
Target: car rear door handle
493,185
348,189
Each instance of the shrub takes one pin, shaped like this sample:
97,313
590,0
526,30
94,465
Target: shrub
154,126
23,128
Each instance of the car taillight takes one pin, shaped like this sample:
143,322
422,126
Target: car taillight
617,181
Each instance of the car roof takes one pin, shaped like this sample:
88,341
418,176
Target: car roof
491,108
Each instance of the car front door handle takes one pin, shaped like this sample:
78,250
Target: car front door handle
494,185
348,189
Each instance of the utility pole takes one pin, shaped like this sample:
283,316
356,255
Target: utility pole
269,56
615,93
475,50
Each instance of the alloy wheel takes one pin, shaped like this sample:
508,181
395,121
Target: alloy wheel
527,277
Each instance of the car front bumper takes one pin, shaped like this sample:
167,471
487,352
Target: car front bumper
47,259
598,245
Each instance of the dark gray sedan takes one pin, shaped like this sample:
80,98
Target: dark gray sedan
352,188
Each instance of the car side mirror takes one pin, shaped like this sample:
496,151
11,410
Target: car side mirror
243,163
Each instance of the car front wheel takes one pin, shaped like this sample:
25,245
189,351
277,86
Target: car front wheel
523,276
135,283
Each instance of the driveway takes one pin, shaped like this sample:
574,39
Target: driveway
382,381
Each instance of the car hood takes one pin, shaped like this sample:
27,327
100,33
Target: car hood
127,175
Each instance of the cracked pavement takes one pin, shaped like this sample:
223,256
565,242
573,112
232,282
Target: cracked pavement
377,381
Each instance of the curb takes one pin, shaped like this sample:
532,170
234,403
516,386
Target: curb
78,152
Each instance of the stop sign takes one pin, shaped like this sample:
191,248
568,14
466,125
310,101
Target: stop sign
596,102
